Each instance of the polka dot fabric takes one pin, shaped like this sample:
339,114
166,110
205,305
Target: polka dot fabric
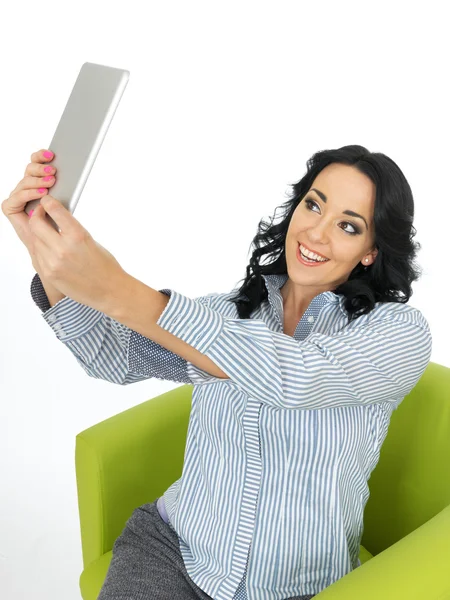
38,293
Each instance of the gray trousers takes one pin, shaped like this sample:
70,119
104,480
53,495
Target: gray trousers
147,563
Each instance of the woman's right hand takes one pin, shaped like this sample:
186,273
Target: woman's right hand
28,189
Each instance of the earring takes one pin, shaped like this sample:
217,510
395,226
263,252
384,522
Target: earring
367,260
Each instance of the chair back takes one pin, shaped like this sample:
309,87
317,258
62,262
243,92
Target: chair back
411,481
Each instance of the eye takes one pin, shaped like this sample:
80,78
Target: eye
356,229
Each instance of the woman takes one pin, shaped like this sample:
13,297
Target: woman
317,353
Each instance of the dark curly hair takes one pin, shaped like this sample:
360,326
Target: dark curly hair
388,278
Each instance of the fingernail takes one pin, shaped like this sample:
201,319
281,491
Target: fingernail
31,213
48,154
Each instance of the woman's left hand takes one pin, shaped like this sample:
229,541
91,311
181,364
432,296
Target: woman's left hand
72,261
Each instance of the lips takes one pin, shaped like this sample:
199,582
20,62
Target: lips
310,264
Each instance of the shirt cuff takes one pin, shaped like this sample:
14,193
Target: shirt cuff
70,320
67,318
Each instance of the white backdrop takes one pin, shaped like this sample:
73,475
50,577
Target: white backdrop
225,104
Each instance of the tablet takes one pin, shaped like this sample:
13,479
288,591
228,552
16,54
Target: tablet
81,131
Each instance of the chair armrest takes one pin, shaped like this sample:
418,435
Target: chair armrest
126,461
415,567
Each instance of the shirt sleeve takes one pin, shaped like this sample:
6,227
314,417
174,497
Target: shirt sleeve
380,361
107,349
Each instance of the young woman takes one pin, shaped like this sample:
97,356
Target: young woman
311,355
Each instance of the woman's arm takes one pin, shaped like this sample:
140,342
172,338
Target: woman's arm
139,307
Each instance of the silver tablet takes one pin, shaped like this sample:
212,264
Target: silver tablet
81,131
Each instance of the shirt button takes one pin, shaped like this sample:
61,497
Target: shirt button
58,326
311,319
52,318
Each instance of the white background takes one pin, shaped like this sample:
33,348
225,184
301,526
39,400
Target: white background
225,104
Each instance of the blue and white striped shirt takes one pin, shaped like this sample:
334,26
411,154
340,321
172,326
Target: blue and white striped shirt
277,457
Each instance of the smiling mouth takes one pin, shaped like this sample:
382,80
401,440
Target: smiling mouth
308,260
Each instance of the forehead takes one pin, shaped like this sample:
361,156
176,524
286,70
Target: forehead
346,187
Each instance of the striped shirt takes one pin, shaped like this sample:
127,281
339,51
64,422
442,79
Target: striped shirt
274,483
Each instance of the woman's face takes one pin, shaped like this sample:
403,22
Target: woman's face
319,222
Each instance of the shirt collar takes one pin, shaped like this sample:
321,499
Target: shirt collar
275,282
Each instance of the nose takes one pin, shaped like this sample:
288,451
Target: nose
319,236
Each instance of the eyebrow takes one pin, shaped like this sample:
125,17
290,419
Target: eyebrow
344,212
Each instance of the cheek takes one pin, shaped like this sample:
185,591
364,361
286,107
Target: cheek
342,246
345,255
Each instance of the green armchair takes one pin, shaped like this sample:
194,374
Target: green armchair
133,457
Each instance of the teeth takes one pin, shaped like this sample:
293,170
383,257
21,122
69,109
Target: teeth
308,259
312,255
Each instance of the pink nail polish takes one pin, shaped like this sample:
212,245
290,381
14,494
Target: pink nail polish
31,213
